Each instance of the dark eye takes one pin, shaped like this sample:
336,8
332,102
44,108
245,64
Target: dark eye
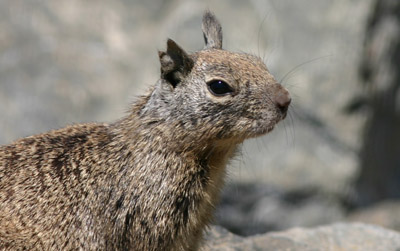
219,88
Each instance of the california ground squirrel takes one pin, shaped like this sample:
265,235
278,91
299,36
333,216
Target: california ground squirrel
149,181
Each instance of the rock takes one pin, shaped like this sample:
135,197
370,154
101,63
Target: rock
247,209
385,214
219,238
338,236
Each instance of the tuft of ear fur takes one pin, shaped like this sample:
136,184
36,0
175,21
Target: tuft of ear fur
212,31
175,63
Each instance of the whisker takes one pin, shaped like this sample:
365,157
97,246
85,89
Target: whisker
302,64
286,133
259,32
298,115
293,128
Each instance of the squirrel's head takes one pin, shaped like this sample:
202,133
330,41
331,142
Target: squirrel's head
217,93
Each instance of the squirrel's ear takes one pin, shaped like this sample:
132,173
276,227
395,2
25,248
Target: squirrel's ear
212,31
175,63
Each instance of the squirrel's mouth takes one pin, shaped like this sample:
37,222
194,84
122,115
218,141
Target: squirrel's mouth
283,116
267,130
260,128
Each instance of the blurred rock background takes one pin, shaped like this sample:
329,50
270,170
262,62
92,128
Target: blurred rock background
64,62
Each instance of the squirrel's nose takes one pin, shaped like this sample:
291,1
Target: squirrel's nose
282,99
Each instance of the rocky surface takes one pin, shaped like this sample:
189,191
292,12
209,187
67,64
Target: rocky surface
248,209
336,237
385,214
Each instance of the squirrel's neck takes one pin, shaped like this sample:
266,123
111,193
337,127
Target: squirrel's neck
180,175
154,138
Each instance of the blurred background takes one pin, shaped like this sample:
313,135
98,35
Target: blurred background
335,158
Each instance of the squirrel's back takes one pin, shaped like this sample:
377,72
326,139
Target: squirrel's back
41,187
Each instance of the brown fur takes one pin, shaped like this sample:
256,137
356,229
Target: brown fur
149,181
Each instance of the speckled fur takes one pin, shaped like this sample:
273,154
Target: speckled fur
149,181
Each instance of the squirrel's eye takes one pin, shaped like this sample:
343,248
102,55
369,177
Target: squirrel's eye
219,88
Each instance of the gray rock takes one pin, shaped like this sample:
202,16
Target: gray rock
335,237
385,214
220,239
248,209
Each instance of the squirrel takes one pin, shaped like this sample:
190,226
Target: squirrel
151,180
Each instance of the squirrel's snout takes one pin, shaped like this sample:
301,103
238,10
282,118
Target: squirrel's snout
282,99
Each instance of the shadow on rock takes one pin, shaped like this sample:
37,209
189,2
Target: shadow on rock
248,209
